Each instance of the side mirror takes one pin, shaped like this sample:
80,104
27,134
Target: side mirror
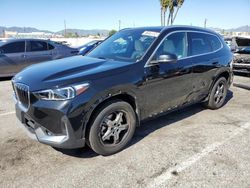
169,58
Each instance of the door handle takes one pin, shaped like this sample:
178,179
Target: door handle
23,56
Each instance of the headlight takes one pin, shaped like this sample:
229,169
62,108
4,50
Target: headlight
62,93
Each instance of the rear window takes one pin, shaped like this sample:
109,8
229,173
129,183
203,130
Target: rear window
51,47
214,42
199,44
14,47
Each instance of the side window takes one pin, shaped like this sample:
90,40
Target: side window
38,46
198,43
174,44
50,47
214,42
14,47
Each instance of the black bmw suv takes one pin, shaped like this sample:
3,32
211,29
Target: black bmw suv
136,74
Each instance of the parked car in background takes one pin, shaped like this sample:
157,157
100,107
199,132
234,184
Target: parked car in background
16,54
134,75
241,46
230,43
242,60
84,49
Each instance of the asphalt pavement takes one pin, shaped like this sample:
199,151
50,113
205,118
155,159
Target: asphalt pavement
192,147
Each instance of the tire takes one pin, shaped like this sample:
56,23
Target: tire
217,94
112,127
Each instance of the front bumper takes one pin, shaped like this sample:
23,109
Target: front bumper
66,139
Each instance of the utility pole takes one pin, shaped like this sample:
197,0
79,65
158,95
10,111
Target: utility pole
205,23
119,25
65,31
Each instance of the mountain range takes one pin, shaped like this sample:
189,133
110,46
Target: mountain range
245,28
103,32
80,32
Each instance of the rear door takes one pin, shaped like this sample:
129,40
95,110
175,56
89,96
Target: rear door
12,58
38,51
204,53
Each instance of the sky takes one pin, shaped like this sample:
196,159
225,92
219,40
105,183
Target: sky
105,14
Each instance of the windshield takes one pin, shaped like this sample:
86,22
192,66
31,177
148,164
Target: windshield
243,41
127,45
91,43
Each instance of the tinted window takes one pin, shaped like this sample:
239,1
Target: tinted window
38,46
199,43
214,42
14,47
50,46
173,44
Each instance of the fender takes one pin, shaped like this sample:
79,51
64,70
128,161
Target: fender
222,71
109,94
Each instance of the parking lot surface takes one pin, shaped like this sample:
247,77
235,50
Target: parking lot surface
193,147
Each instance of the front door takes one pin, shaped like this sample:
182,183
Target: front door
168,85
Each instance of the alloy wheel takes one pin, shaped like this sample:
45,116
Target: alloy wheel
114,128
219,93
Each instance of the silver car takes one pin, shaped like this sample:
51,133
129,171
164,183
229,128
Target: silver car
16,54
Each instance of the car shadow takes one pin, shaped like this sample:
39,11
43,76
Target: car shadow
173,117
148,127
5,78
85,152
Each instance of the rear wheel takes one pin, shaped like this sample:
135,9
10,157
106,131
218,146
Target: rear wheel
112,128
218,94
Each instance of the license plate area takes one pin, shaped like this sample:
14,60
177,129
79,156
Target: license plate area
29,123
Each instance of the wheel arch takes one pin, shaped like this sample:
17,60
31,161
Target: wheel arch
126,97
224,73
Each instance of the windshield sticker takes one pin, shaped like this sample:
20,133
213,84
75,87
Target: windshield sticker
151,33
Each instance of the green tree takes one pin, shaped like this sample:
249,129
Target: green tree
178,4
173,6
113,31
171,11
71,35
164,7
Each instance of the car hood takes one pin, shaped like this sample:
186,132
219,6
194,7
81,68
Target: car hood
72,70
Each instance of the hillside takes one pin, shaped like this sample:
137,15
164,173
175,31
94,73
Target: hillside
80,32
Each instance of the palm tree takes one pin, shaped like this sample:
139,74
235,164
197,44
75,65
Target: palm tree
164,7
171,6
179,3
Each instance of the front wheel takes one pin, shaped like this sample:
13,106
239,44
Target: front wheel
112,127
218,94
